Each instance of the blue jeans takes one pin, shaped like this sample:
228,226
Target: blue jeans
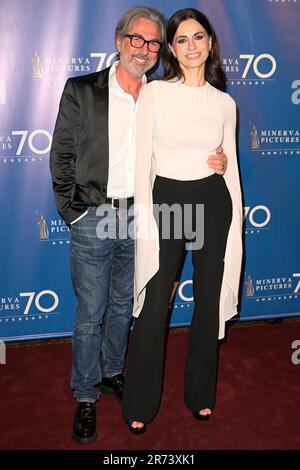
102,267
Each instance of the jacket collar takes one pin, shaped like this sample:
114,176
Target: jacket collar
102,81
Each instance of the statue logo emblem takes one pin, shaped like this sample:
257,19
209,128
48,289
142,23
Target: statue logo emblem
249,287
43,228
36,66
254,138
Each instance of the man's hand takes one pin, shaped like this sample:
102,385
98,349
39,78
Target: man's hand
218,162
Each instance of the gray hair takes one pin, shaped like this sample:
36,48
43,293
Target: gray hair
140,12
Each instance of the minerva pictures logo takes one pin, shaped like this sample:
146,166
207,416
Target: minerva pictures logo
274,142
49,67
28,306
53,231
250,69
277,288
23,146
257,219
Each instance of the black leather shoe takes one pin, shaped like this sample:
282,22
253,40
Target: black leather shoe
200,417
84,425
141,430
113,386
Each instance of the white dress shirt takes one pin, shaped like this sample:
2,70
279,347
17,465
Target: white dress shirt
122,126
121,137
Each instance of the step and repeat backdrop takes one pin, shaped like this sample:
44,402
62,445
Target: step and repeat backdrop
42,43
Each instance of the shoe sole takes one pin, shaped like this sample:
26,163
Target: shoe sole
201,417
137,431
84,440
109,391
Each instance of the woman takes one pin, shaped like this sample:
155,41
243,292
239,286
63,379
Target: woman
181,120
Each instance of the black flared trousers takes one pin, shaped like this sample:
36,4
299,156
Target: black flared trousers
147,343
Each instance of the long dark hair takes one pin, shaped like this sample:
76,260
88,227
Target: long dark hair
214,73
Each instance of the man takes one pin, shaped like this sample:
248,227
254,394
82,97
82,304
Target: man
92,166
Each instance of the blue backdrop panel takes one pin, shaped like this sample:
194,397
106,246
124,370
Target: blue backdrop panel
44,43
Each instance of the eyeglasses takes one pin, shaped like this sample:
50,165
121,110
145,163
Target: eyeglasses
139,41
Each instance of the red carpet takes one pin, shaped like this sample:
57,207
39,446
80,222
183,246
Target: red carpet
258,400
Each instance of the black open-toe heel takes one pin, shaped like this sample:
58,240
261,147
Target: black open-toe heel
141,430
200,417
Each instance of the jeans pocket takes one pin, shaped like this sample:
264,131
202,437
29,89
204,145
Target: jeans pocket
79,219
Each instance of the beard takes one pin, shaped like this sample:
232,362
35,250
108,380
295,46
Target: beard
135,67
